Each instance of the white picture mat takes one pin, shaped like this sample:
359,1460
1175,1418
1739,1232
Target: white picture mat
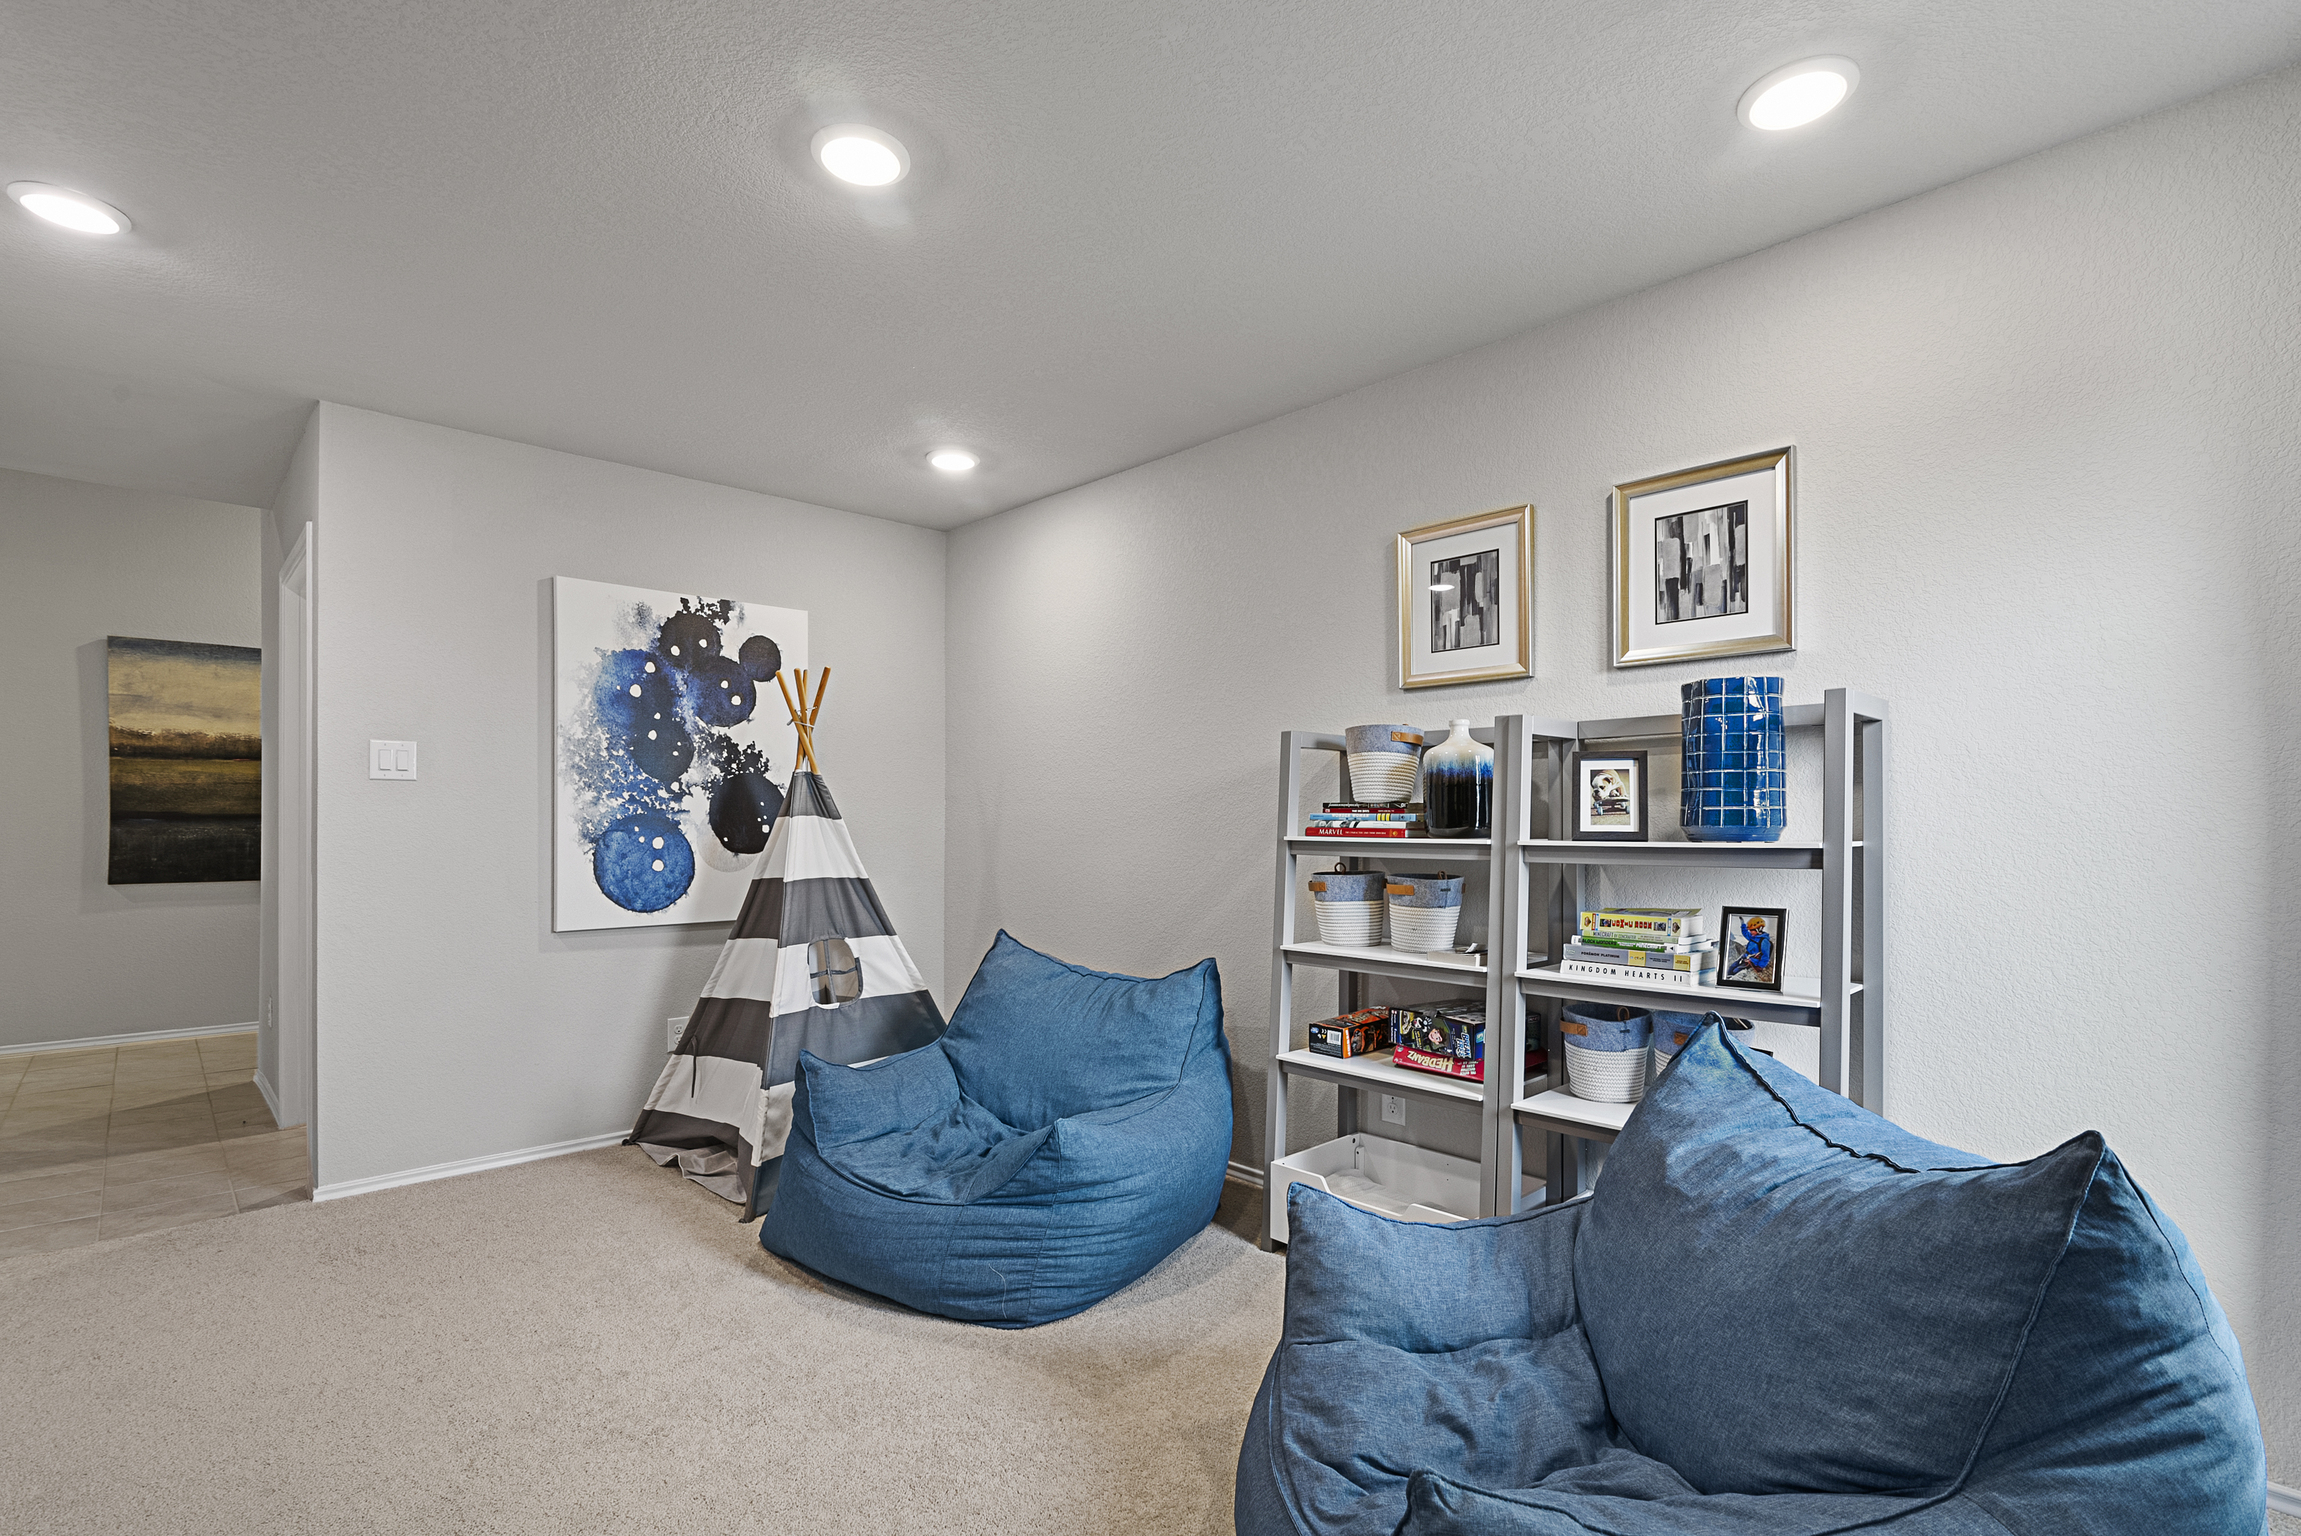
1762,489
1425,663
589,618
1632,773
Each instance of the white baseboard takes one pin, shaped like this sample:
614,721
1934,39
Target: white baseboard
2284,1500
100,1042
271,1099
1245,1173
468,1165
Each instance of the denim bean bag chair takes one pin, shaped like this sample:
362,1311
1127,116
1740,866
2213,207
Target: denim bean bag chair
1070,1129
1778,1315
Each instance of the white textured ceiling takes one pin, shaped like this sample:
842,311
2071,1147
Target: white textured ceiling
1130,228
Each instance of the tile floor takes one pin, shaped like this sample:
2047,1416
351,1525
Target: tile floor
114,1141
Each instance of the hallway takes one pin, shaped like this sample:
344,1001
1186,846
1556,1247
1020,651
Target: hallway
110,1142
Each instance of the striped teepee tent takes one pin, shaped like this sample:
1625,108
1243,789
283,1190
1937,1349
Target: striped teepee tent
813,964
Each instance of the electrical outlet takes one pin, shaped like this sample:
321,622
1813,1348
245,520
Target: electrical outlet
1394,1108
672,1030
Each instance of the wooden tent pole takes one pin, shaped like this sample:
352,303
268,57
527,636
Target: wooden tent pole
798,722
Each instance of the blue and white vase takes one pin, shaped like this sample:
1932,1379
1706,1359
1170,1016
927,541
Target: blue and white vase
1734,771
1458,785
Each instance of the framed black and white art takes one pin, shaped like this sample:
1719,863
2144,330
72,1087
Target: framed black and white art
1609,797
1466,599
1702,565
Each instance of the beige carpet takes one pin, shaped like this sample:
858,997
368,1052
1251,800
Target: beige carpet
590,1344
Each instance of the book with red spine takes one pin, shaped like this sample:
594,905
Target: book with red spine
1469,1070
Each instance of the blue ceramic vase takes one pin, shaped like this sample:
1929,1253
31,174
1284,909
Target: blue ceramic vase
1734,768
1458,785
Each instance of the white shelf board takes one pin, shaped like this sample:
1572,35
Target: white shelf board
1558,1108
1458,849
1544,850
1382,960
1784,1007
1377,1072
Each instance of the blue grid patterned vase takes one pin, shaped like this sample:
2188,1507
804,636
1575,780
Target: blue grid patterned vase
1733,789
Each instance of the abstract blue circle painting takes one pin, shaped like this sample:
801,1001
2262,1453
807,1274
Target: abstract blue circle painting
643,863
663,788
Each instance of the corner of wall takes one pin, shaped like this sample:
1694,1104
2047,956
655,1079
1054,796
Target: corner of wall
294,504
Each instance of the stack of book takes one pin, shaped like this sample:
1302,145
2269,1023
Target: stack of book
1646,946
1343,818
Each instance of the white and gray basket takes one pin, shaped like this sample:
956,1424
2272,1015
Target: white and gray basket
1384,760
1349,906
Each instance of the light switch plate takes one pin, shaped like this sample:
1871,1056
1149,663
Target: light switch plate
391,759
1394,1108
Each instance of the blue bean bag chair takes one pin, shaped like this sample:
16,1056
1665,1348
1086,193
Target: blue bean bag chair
1778,1315
1070,1129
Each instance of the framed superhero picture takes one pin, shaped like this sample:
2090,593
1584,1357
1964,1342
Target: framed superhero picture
1750,947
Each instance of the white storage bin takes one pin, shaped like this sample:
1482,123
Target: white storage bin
1377,1174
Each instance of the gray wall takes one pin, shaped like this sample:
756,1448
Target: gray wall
82,958
2046,432
454,1023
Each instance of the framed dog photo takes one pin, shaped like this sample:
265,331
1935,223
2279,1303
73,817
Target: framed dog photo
1609,797
1750,947
1702,565
1466,599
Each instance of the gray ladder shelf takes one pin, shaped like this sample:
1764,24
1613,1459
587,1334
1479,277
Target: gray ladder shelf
1521,993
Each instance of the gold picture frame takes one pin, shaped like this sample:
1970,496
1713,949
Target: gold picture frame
1747,587
1470,618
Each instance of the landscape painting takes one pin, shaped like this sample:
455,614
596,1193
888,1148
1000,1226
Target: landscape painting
187,765
664,789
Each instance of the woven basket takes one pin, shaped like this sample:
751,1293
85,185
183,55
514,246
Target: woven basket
1357,924
1605,1028
1424,929
1673,1032
1383,778
1606,1077
1425,910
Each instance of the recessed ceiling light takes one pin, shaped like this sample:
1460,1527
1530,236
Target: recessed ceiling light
73,210
1796,94
861,155
953,461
